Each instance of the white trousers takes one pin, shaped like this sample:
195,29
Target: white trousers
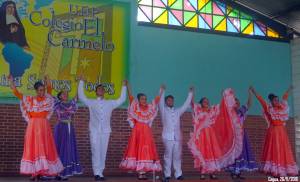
173,150
99,144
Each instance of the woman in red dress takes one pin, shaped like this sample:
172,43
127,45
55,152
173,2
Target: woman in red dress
277,156
39,156
217,137
141,154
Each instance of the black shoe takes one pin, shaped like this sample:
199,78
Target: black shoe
212,176
166,179
58,178
102,179
65,179
45,178
180,178
97,178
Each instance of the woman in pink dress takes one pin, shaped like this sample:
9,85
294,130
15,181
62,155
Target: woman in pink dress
217,137
39,156
141,154
277,156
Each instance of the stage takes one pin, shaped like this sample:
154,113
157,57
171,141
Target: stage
249,178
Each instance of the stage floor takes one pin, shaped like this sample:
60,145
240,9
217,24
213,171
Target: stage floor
251,178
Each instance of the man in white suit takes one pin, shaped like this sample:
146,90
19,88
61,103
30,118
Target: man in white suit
171,135
99,125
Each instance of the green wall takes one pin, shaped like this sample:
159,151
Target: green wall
210,62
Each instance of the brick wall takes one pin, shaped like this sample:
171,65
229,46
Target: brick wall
12,128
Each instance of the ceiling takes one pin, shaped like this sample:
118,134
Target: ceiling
286,12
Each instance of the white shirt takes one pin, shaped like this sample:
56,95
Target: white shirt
100,109
171,118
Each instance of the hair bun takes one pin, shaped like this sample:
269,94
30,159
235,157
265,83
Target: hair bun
271,96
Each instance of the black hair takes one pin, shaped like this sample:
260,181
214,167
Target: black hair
59,94
272,96
139,95
98,86
38,84
201,100
169,96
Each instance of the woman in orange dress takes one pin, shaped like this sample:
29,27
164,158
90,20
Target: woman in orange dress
217,137
141,154
39,155
277,156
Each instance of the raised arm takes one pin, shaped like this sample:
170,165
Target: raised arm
260,99
187,102
122,98
157,98
249,102
129,92
81,94
286,94
18,94
48,84
162,100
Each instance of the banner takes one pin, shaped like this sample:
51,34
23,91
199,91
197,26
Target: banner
64,39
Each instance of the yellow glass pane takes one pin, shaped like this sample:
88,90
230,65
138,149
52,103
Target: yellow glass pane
202,3
222,26
171,2
249,30
163,19
193,22
272,33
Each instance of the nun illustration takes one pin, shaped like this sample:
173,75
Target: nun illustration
11,27
12,35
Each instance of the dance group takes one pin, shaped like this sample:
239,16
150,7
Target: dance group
218,141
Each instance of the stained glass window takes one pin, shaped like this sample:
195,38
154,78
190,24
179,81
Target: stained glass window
202,14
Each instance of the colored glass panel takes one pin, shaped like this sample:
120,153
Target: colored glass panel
231,27
171,2
217,19
272,33
173,20
188,15
194,3
163,18
202,3
177,5
249,29
257,30
202,14
142,17
158,3
202,23
157,12
178,15
222,6
146,2
217,10
207,8
244,24
193,22
147,10
234,13
221,26
188,6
